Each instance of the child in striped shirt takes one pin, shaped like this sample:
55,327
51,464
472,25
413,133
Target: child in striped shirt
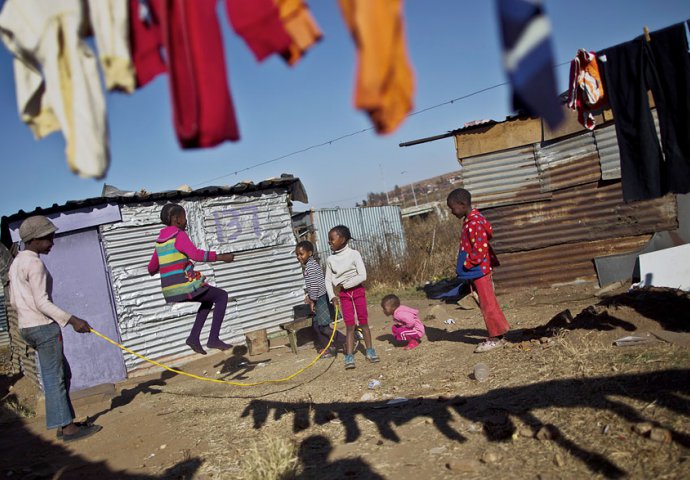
317,298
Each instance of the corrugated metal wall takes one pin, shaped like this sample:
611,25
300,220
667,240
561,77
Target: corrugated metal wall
554,238
264,281
503,178
567,162
4,328
22,357
373,229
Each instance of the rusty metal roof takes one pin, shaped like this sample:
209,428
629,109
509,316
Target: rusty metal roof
285,182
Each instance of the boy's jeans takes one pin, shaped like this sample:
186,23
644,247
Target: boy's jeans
47,341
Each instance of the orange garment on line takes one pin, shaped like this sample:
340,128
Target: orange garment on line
300,27
385,80
586,91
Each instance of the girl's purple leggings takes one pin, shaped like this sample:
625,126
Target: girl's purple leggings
212,297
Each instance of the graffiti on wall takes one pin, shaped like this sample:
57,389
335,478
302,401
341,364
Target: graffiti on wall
232,223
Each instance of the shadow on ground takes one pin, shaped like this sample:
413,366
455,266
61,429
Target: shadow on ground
313,454
28,456
493,410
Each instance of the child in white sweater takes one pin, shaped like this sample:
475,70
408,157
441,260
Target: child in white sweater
345,270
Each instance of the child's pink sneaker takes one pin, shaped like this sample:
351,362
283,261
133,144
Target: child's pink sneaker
412,344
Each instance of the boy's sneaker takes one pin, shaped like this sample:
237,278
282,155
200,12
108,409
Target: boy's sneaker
349,362
411,345
371,355
490,344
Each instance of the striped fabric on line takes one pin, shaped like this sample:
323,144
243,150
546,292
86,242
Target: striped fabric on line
528,58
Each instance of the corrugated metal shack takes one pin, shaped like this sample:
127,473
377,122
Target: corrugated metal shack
4,327
554,198
251,220
375,231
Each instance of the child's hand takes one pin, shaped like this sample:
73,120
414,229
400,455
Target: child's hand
225,257
335,301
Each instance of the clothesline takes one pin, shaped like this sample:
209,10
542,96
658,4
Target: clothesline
59,89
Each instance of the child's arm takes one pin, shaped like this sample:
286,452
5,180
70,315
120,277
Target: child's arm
329,284
153,263
185,245
38,282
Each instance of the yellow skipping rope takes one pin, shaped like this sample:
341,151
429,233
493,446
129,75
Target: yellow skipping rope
226,382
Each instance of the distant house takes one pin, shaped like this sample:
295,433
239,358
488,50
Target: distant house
375,230
99,271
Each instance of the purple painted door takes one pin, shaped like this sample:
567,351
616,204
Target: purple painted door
80,285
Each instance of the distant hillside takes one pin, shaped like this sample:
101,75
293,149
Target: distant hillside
433,189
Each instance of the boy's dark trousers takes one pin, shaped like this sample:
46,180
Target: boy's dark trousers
663,66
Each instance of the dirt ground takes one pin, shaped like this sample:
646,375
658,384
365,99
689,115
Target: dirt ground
562,401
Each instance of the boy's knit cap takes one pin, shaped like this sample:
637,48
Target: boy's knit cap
37,226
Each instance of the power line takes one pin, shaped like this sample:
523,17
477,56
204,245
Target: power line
342,137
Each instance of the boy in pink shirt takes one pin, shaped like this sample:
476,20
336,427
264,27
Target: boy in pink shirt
406,323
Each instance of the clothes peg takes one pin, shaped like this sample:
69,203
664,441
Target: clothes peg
646,34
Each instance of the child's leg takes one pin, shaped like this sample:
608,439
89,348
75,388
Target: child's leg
403,334
201,315
496,323
320,339
349,339
359,300
219,297
347,307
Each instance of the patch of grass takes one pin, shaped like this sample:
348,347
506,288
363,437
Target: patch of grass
11,409
639,358
272,458
432,250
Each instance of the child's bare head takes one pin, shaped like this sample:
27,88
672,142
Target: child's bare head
171,212
389,303
304,250
459,202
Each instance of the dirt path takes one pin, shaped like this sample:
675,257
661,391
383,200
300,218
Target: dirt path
559,403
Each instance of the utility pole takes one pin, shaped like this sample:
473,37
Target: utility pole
413,194
384,185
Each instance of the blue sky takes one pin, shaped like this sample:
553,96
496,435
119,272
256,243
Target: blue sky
454,49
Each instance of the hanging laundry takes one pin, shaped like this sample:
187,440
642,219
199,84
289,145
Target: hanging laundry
110,24
300,26
528,58
629,70
57,80
145,41
586,91
384,80
258,23
189,33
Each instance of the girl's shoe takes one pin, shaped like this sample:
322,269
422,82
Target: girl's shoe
412,344
349,362
371,356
